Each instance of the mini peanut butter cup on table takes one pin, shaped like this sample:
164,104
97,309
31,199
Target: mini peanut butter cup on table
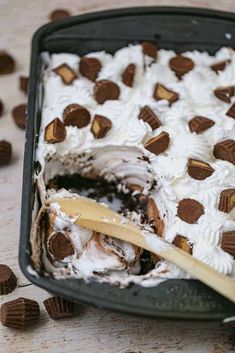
59,308
199,170
106,90
60,246
228,242
20,313
190,210
162,92
8,280
182,243
149,49
225,150
219,66
7,63
147,115
158,144
5,152
227,200
55,131
181,65
224,93
67,74
231,111
19,115
128,75
89,67
100,126
76,115
59,14
200,124
1,108
23,84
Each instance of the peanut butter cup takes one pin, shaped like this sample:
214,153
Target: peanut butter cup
181,65
76,115
200,124
106,90
5,152
154,217
198,169
225,150
149,49
228,242
182,243
219,66
20,313
190,210
100,126
19,115
7,63
128,75
227,200
60,246
55,131
58,308
161,92
59,14
231,111
7,280
89,67
224,93
158,144
23,83
147,115
67,74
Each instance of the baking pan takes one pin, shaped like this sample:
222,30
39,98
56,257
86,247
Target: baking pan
174,28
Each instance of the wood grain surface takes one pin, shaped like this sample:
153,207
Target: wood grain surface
91,330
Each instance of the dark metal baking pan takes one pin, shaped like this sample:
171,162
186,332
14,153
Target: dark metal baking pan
179,29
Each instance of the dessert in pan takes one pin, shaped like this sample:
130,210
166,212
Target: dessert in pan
151,134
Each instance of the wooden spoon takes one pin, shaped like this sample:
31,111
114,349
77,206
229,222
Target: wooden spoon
94,216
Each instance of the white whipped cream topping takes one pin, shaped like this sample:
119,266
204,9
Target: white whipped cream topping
128,134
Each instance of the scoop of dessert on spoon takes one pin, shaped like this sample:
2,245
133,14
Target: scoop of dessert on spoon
98,217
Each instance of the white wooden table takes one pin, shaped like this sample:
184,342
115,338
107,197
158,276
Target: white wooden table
91,330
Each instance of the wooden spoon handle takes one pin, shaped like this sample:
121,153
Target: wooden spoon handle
99,218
